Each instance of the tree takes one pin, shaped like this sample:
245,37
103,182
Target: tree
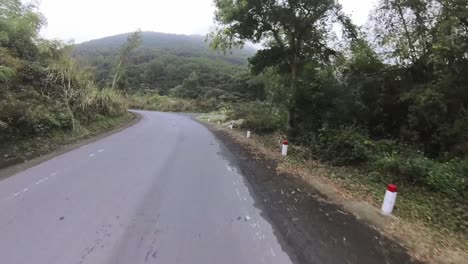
293,32
425,43
190,88
133,41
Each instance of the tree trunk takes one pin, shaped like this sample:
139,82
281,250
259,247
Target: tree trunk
407,34
292,102
114,81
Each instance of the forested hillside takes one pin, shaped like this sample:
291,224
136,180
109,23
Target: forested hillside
168,64
43,92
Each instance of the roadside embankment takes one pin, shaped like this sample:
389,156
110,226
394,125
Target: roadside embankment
355,193
16,156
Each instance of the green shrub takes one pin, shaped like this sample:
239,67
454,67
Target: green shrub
340,147
157,102
450,178
27,113
108,102
259,117
4,129
400,168
44,119
33,117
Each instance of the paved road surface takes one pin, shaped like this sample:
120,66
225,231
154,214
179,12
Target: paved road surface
161,191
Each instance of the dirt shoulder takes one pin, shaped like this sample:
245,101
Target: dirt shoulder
38,150
315,229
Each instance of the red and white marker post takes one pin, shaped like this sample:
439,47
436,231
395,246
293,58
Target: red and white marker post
284,150
389,200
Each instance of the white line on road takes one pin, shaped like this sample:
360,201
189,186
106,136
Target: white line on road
53,174
16,194
26,189
41,181
101,150
91,155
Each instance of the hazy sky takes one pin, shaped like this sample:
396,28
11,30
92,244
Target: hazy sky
83,20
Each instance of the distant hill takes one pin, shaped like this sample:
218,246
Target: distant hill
165,61
179,45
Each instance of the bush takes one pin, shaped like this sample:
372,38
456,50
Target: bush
340,147
399,168
4,129
450,178
44,119
157,102
108,102
27,113
260,117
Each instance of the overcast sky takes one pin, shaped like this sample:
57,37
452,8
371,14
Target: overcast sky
82,20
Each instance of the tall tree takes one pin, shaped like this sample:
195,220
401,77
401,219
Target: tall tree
133,41
293,32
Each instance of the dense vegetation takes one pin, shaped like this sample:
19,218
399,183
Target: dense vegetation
42,89
177,65
391,97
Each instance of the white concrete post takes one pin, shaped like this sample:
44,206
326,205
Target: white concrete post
284,150
248,133
389,199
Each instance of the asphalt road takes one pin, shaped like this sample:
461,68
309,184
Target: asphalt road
161,191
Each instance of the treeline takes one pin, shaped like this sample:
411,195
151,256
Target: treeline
42,89
403,77
391,97
175,65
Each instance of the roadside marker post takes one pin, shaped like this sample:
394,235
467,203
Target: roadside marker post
284,150
248,133
389,199
219,122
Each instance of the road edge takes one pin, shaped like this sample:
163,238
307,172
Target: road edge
235,147
17,168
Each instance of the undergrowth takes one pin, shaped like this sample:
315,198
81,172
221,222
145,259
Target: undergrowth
26,148
432,192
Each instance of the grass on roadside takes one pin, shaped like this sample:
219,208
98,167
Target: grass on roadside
416,204
155,102
214,117
26,148
426,221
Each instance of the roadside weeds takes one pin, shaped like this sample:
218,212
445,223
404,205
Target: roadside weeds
424,243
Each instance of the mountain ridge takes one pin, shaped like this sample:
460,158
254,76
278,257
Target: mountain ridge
165,61
178,44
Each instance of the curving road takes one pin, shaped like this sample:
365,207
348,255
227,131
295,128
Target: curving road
161,191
